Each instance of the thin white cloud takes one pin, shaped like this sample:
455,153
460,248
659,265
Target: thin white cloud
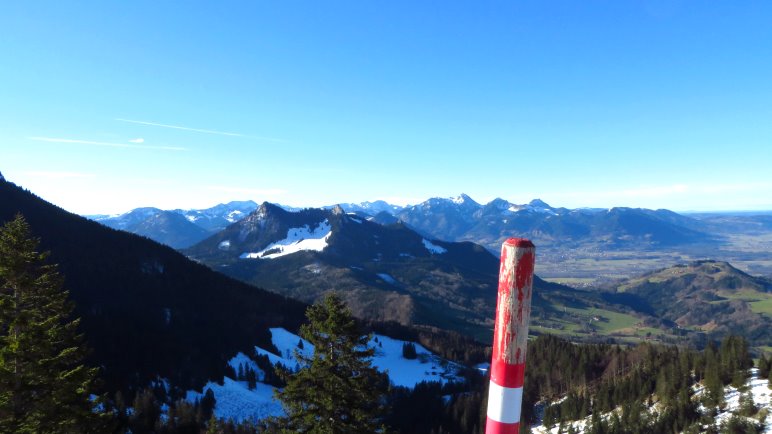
198,130
137,140
248,191
106,144
58,175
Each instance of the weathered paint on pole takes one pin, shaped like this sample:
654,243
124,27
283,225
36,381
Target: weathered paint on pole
510,335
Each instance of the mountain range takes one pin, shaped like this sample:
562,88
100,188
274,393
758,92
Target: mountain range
454,219
390,272
149,311
462,218
385,272
177,228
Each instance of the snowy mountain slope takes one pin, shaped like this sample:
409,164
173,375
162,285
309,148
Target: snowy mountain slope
388,358
234,400
299,239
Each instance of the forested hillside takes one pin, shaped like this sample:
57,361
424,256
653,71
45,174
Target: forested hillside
147,311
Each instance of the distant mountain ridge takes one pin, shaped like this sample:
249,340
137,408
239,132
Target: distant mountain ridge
463,219
458,219
177,228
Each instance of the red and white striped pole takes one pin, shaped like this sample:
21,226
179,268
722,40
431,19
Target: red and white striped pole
510,335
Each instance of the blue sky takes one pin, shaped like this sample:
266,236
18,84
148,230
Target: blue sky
657,104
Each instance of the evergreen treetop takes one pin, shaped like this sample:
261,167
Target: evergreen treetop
336,390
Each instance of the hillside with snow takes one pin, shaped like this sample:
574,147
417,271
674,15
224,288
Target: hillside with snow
235,400
758,388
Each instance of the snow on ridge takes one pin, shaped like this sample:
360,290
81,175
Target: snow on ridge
234,216
297,240
542,210
224,245
433,248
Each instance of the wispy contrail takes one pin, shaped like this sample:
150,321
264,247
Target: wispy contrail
107,144
197,130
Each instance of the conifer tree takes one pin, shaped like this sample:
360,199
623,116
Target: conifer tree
337,389
44,385
409,351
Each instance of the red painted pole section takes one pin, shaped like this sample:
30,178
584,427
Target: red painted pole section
510,335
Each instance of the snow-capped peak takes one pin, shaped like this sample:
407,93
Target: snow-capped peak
459,199
463,199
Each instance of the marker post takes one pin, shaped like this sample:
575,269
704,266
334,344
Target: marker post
510,336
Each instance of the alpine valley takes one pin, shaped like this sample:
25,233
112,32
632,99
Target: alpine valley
210,325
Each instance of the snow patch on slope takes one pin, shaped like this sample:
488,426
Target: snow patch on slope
388,358
234,400
242,359
433,248
759,388
234,216
297,240
387,278
761,397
